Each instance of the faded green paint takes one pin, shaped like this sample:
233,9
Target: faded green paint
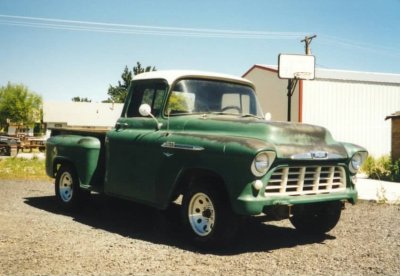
81,151
146,164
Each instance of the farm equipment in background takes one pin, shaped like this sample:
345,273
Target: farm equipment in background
30,143
9,145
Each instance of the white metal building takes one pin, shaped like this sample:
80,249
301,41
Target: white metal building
80,114
352,105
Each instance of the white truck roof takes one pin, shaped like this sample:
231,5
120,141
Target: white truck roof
172,75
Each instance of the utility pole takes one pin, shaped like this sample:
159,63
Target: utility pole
307,41
292,83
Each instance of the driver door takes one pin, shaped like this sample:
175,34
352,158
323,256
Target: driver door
133,146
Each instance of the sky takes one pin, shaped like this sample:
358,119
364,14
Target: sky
66,48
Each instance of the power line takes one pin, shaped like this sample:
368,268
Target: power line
388,51
130,29
90,26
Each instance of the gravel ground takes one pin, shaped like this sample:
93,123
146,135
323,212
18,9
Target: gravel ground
111,237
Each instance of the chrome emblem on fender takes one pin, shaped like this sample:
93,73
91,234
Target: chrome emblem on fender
168,154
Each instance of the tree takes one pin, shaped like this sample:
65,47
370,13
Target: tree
79,99
138,69
18,105
119,92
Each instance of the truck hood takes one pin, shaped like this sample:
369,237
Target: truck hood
290,140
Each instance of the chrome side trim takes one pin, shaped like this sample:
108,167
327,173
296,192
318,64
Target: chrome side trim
173,145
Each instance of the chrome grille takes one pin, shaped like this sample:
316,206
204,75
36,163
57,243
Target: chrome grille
306,180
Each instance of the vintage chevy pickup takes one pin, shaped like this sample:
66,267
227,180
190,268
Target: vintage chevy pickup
202,138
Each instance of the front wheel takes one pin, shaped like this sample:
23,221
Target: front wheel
317,218
68,193
207,217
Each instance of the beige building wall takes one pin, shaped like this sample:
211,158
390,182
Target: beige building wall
272,93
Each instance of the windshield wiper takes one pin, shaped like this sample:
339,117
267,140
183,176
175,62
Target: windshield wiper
185,113
251,115
236,114
225,113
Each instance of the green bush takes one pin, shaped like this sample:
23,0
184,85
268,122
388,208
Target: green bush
382,168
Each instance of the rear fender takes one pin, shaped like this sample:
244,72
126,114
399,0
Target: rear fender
82,152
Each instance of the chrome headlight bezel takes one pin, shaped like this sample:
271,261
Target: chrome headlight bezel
262,162
356,161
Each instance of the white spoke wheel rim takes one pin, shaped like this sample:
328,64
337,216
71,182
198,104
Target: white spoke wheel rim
66,187
201,213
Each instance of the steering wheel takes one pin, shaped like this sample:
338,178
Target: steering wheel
239,110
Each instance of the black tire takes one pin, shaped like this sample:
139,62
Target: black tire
4,150
68,193
207,216
317,218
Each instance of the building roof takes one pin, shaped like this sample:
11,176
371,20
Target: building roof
82,114
394,115
172,75
331,74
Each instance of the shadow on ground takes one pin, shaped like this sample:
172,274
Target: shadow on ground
163,227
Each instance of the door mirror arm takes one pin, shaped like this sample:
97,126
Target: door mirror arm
145,111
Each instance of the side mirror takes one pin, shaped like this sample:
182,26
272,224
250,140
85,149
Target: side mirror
145,110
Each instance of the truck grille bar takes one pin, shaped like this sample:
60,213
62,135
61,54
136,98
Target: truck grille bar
311,180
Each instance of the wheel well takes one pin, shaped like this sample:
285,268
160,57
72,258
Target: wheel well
58,163
193,176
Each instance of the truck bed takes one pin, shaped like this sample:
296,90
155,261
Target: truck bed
94,132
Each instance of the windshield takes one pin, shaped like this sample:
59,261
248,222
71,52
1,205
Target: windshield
193,96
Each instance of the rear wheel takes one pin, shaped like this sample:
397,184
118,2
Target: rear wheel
68,193
317,218
207,216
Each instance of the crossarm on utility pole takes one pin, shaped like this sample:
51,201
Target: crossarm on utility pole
307,41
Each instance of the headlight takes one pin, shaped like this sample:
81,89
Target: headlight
356,161
262,162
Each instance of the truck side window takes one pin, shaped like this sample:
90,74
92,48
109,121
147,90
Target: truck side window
149,93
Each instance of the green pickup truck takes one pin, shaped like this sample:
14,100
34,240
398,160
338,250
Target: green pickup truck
200,139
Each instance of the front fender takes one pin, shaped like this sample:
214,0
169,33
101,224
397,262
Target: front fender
227,158
352,149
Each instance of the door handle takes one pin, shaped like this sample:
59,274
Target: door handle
121,126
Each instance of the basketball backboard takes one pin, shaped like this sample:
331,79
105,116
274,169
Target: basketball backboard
301,67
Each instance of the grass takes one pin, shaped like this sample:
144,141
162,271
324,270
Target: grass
23,169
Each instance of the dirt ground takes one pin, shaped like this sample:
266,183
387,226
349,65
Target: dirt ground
113,237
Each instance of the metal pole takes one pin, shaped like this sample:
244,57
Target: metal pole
289,95
307,40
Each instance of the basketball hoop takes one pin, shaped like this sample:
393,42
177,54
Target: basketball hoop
301,67
302,75
295,68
